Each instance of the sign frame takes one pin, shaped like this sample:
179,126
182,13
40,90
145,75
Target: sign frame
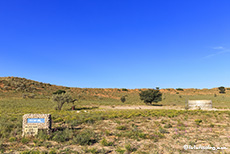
33,122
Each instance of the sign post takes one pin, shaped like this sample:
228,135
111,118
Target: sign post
33,122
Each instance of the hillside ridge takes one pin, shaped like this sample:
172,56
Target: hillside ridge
17,86
19,81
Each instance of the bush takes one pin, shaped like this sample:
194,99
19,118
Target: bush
150,96
62,136
42,134
129,148
120,151
86,137
24,140
121,127
104,142
91,150
53,151
1,145
12,139
168,125
198,121
179,89
30,152
163,131
212,125
134,133
59,92
123,99
221,90
124,89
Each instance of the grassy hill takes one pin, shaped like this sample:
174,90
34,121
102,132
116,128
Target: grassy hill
18,88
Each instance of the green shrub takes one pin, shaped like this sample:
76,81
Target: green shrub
104,142
168,125
47,144
192,143
93,150
62,136
124,89
123,99
133,134
52,151
1,145
58,137
121,127
58,120
159,135
86,137
24,140
42,134
90,120
151,95
129,148
30,152
163,131
120,151
179,89
212,125
198,121
12,139
107,133
59,92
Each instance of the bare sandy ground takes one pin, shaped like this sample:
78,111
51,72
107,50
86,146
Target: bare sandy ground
139,107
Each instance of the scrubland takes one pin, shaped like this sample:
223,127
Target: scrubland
97,126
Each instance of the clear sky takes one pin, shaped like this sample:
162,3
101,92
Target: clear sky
117,43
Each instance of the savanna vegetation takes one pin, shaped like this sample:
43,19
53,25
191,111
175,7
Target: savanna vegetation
96,126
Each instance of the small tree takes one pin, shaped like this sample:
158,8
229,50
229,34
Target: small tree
222,90
151,95
123,99
61,99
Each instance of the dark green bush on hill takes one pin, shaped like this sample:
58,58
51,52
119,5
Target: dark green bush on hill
59,92
151,95
123,99
124,89
180,89
222,90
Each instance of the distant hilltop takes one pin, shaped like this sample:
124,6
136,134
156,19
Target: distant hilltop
15,85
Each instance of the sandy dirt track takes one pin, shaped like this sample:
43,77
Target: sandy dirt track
139,107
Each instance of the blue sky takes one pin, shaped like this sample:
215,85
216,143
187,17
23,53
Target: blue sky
117,43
